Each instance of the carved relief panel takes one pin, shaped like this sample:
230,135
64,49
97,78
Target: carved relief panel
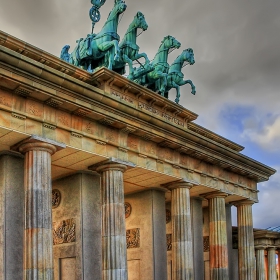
133,238
64,232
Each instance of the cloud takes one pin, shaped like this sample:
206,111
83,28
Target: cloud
267,136
266,212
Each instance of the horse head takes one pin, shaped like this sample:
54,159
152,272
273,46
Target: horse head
188,56
170,42
140,21
119,7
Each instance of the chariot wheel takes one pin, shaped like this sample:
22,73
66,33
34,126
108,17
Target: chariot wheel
94,14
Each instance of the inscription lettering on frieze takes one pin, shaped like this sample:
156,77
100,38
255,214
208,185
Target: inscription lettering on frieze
64,232
122,96
133,238
161,114
148,108
172,119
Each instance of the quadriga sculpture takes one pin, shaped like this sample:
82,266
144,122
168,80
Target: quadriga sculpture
90,50
129,50
175,77
156,80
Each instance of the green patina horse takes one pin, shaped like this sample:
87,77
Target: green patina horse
175,77
129,49
156,80
90,50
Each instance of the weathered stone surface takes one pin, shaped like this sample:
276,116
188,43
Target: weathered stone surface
271,263
182,241
114,256
80,201
11,215
260,263
197,229
148,214
218,236
246,251
38,208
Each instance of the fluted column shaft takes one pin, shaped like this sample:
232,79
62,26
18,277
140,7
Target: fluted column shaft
218,237
278,254
38,243
182,241
271,263
260,263
246,250
114,257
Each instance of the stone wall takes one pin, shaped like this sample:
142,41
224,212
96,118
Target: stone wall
11,215
147,256
77,227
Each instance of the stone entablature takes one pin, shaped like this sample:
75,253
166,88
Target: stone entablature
73,130
127,119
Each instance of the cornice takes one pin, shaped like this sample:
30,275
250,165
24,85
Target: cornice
217,138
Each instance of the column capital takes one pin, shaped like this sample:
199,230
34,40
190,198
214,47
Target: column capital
260,247
271,248
217,194
179,184
38,143
112,164
243,202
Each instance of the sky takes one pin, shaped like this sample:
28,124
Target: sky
236,45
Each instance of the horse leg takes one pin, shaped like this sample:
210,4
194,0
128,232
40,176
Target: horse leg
130,65
117,50
138,55
178,94
184,82
163,84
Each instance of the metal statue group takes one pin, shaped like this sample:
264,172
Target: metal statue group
105,49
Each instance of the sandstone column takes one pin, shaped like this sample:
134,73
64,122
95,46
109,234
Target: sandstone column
260,263
218,236
278,254
271,263
182,242
246,251
197,233
114,258
38,242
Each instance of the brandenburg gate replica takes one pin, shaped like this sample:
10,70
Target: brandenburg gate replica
104,178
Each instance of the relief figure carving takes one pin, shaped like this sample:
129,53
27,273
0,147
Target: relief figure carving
133,238
64,232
